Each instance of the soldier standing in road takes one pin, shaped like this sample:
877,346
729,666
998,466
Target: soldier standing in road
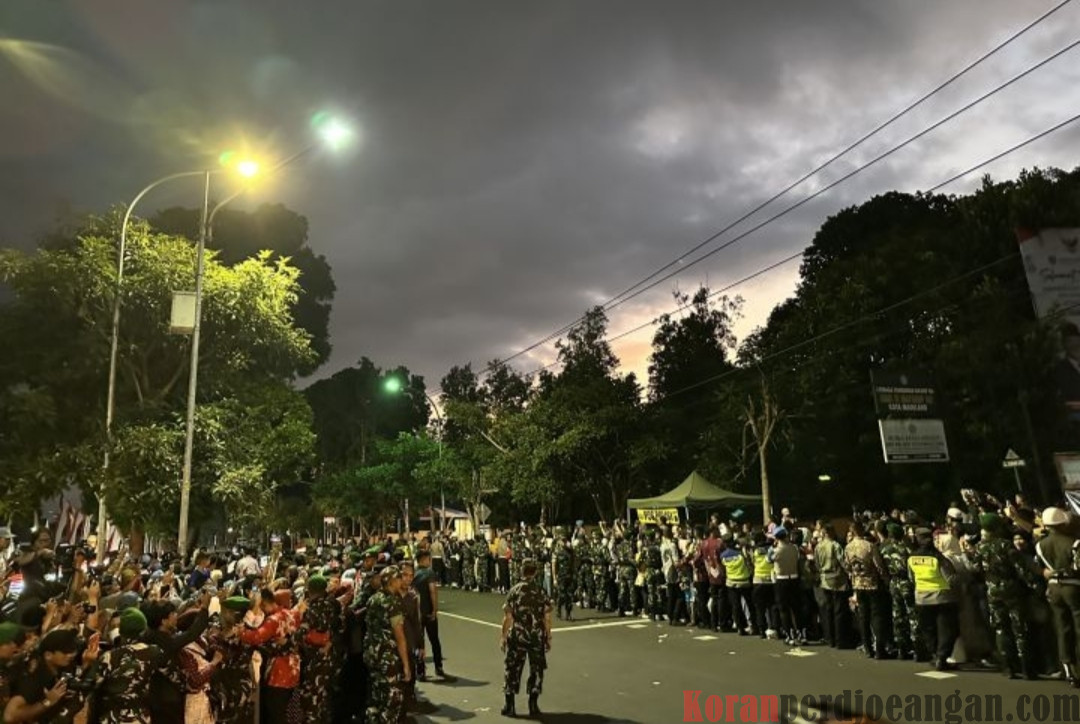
601,561
526,633
869,580
627,571
482,554
895,552
654,578
1008,587
468,566
583,571
386,653
1056,553
563,562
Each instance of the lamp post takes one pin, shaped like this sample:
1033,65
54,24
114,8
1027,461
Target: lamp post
333,134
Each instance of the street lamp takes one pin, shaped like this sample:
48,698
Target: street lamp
394,386
246,168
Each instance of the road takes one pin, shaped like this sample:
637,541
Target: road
604,669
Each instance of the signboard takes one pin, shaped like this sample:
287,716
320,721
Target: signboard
182,317
1052,266
1068,467
653,516
1012,460
483,513
903,395
914,441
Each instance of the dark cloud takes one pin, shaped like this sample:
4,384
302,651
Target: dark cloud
520,161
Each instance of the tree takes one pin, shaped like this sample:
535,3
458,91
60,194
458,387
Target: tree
58,326
240,235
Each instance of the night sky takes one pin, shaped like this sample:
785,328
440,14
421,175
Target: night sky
518,161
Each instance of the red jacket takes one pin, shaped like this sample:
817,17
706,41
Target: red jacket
283,671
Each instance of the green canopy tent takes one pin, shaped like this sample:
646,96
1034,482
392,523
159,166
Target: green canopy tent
695,492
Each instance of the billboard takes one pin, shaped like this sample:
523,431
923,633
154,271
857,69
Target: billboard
908,417
914,441
1052,266
903,395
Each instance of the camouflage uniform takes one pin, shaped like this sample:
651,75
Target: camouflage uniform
528,605
564,578
905,618
1008,588
124,683
482,554
232,687
319,666
517,554
601,562
583,573
627,572
654,578
387,700
468,568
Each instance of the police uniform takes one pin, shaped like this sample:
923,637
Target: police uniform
762,595
1057,553
935,600
739,581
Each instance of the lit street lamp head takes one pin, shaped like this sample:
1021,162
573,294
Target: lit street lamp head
392,385
247,168
333,132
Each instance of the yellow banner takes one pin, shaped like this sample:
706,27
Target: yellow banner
653,516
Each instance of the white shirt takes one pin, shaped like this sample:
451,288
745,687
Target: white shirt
247,566
669,557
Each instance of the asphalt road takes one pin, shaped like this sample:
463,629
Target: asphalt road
604,669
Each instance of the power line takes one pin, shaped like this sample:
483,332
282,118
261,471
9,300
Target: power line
872,315
952,179
625,295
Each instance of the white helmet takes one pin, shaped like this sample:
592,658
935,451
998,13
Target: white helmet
1055,516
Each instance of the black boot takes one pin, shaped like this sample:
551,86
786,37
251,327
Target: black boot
534,708
508,708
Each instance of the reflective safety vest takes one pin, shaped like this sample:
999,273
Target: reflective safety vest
763,567
737,570
928,575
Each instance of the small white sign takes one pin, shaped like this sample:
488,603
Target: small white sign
914,441
182,318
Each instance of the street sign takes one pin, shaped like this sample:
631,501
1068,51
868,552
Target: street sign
1012,460
482,512
914,441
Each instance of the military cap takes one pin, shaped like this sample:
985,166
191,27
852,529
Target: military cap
132,623
236,603
10,633
990,521
317,583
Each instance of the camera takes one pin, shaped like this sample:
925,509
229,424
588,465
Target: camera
78,685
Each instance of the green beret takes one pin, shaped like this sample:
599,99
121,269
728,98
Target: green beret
132,623
990,521
236,603
317,583
895,530
373,551
10,632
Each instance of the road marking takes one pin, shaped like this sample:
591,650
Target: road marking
628,622
706,638
470,620
936,675
638,625
800,652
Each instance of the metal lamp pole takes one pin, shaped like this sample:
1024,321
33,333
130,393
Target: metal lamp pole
442,430
110,401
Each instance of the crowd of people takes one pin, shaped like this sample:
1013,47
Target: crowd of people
314,637
344,633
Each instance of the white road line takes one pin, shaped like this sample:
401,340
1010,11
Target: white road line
936,675
470,620
706,638
556,630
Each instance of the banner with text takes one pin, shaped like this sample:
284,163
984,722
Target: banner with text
908,417
652,517
1052,265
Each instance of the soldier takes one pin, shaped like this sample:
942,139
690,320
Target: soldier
468,566
1008,580
583,571
563,563
895,552
386,653
627,571
601,561
125,672
654,578
232,688
482,555
526,633
1063,589
319,627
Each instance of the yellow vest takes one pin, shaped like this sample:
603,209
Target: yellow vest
763,567
736,568
928,576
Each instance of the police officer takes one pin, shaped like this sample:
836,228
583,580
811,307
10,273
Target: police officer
935,597
526,634
762,595
1056,551
739,577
